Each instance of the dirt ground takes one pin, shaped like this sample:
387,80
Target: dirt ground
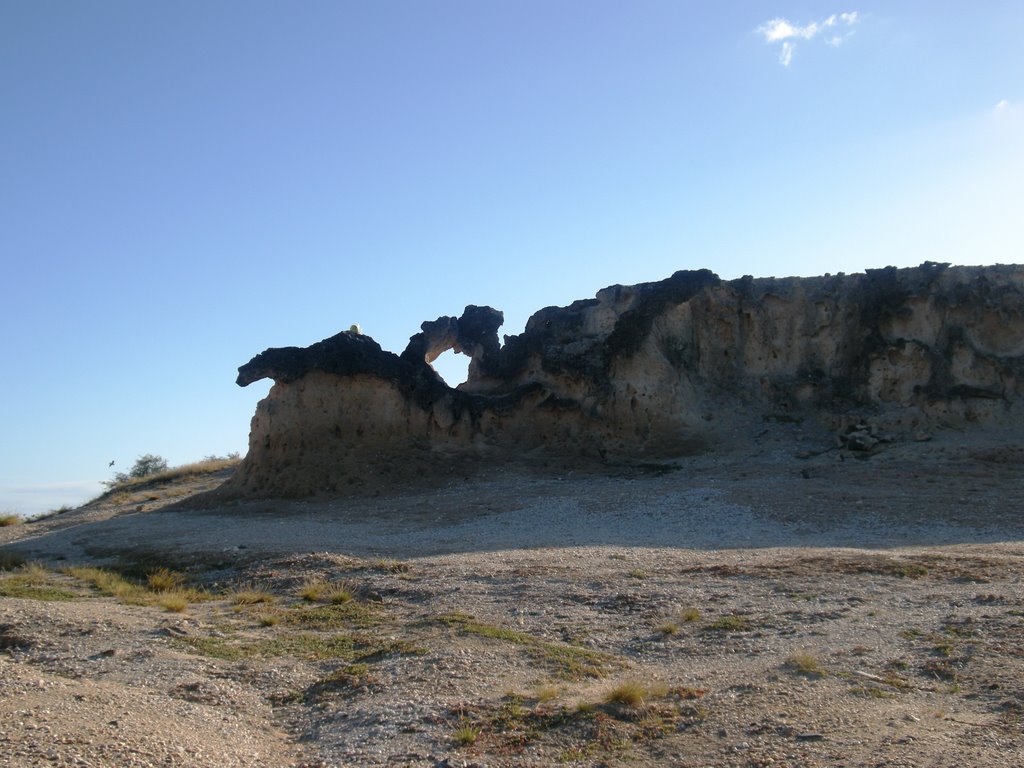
783,604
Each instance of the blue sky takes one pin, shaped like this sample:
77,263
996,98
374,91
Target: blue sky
185,184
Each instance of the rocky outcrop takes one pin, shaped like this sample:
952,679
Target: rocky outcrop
651,370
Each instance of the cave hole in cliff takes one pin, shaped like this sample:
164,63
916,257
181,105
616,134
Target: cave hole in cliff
453,367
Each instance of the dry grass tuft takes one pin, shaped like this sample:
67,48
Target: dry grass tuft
173,602
627,694
10,519
269,619
465,735
252,596
164,580
391,566
546,693
690,615
312,590
318,590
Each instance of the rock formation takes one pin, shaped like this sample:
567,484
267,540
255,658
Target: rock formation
651,370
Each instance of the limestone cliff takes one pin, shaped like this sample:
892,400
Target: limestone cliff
651,370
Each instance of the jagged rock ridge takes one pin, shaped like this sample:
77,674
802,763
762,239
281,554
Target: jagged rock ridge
652,370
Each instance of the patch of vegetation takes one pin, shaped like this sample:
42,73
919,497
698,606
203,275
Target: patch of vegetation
667,628
690,615
164,580
11,560
910,570
545,693
465,735
731,623
631,714
871,692
806,664
303,645
171,595
252,596
944,649
312,589
940,669
319,590
627,694
391,566
151,470
10,519
345,680
33,582
572,663
566,661
172,602
892,679
344,615
637,573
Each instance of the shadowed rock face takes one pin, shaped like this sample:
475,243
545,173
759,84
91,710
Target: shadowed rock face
651,370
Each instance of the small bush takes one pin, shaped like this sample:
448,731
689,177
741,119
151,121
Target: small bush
690,615
144,466
667,628
11,519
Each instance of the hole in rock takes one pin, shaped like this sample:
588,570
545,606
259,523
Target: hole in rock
453,367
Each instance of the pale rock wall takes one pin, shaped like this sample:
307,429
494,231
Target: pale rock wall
653,370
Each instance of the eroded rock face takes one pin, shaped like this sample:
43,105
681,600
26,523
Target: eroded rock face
651,370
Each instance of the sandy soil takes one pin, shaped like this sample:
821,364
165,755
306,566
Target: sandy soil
784,604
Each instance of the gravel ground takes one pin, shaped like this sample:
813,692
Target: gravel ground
777,606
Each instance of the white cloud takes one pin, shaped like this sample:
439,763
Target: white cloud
780,30
786,55
1003,104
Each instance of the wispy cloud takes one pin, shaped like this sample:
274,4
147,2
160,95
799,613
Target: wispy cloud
32,499
835,30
